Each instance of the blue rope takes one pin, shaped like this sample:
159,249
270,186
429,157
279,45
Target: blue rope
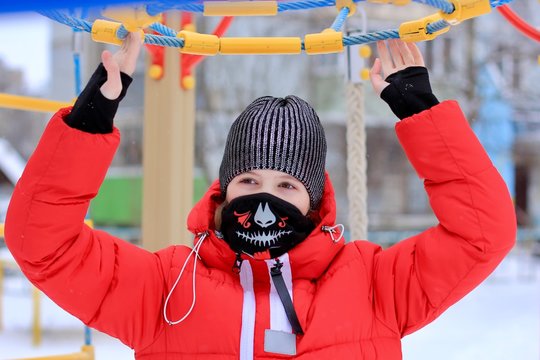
443,5
162,29
497,3
79,24
122,32
304,5
437,26
340,19
155,9
161,40
370,37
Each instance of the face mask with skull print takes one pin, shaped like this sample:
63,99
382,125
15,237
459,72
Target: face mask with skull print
263,226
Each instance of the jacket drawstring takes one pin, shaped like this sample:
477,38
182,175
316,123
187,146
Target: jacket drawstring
332,230
195,250
237,264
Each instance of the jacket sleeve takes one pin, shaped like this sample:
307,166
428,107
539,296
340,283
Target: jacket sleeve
102,280
420,277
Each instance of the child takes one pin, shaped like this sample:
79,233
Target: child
269,276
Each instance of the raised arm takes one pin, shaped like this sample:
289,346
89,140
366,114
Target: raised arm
418,278
96,106
104,281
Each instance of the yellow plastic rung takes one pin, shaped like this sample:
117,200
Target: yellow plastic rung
466,9
32,104
198,44
260,45
104,31
133,18
240,8
326,42
416,30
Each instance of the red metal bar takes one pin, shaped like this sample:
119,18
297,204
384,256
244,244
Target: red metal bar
519,23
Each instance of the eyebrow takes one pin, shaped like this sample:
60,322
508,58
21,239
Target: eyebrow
250,173
288,177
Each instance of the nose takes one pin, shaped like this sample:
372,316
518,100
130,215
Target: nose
264,216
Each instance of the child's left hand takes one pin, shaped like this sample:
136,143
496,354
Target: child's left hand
397,56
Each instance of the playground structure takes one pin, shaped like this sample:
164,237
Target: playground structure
166,68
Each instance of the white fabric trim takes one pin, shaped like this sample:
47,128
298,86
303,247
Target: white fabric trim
278,316
247,337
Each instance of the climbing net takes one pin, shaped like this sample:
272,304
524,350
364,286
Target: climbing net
120,22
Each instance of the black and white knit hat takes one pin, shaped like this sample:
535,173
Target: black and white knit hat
283,134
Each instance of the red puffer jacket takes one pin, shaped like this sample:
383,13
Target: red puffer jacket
354,301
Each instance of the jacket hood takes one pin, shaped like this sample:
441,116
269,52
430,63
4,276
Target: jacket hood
308,260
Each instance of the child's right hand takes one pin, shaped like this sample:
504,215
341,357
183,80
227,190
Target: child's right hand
124,60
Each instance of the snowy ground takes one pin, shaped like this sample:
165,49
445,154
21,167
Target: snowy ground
499,320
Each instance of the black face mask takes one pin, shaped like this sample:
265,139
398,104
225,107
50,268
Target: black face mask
263,226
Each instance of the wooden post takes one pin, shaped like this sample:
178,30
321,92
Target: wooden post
168,142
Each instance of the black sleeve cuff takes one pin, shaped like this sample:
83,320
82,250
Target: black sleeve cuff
409,92
93,112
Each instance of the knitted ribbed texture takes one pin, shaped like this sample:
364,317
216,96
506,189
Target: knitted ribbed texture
283,134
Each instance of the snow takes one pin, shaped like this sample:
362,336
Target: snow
498,320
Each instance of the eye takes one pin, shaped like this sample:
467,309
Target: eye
247,180
287,185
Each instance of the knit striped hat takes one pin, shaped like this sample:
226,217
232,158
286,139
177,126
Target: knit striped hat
283,134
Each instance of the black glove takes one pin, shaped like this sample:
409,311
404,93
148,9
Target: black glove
409,92
93,112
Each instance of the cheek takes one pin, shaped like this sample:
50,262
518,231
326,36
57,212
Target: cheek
301,202
232,193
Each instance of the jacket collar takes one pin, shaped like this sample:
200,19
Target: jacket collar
309,259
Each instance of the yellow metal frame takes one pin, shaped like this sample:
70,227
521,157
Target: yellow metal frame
30,103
